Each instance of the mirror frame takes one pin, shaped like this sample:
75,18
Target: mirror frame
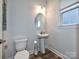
42,24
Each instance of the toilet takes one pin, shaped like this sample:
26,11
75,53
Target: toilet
21,52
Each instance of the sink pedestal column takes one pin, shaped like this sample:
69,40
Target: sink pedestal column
42,38
42,46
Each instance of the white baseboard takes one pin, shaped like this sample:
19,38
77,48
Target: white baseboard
58,53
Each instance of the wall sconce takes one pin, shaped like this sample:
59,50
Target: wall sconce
41,8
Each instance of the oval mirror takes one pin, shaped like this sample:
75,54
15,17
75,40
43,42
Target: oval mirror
40,22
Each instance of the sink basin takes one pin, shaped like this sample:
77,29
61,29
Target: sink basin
44,35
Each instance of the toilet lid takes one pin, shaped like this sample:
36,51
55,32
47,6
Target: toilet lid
22,55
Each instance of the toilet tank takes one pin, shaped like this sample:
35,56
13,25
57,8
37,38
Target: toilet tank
20,44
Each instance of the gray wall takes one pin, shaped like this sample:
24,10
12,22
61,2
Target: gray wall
0,19
20,23
61,38
77,42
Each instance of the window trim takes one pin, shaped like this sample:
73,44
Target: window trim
62,11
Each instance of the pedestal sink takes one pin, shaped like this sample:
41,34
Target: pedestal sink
42,38
44,35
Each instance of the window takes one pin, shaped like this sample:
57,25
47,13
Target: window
70,16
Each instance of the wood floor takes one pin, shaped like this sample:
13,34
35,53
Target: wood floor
47,55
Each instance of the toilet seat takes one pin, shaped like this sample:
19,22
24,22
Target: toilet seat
22,55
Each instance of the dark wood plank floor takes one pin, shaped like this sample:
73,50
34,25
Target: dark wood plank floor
47,55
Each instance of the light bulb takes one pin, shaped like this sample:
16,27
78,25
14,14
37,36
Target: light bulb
35,42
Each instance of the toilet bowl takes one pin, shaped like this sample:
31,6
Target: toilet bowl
21,52
22,55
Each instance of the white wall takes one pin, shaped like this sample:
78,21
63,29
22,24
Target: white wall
20,23
61,38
